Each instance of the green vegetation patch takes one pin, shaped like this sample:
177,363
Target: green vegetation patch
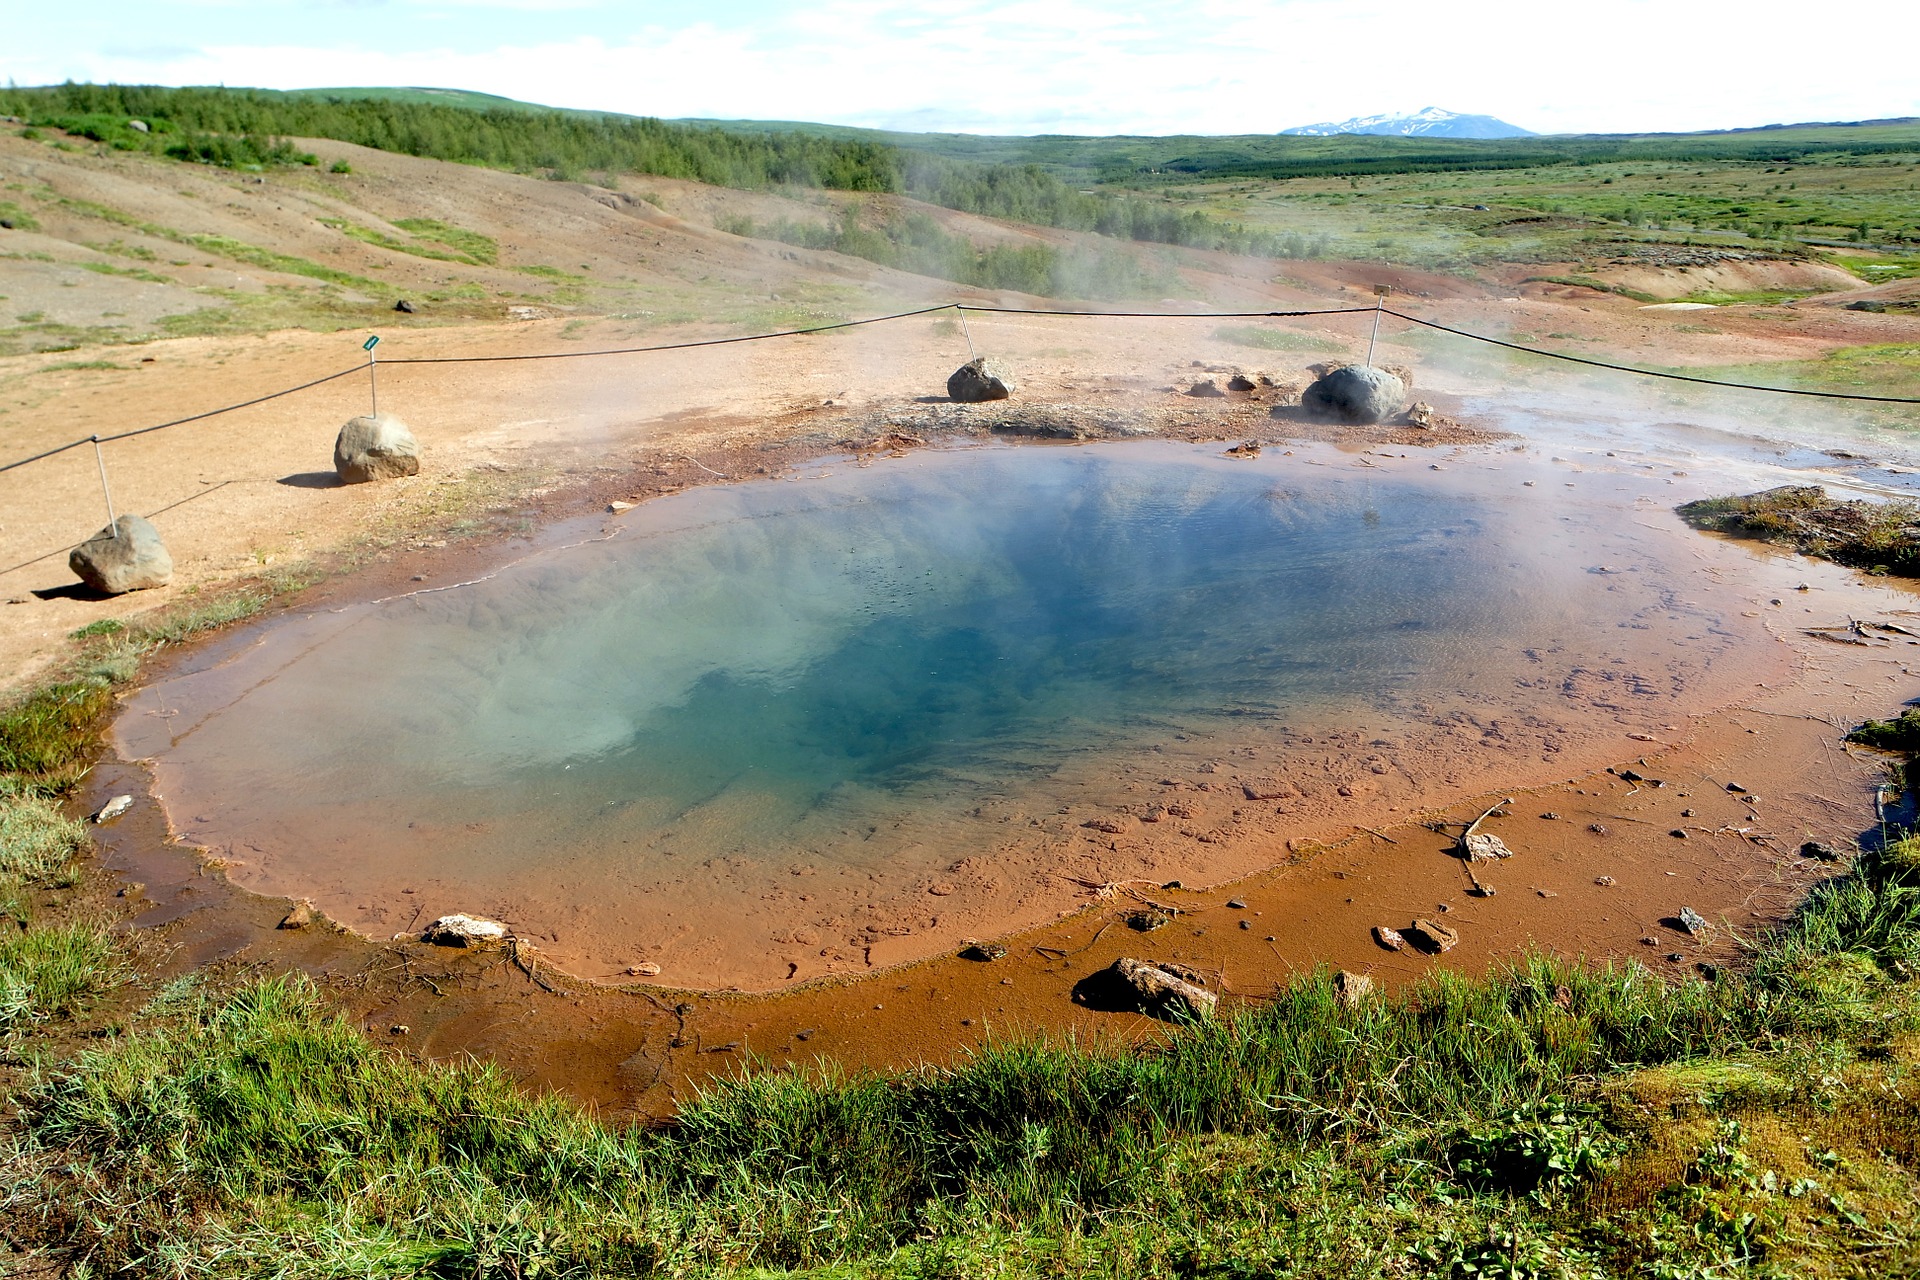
269,260
1750,297
38,843
1264,338
915,242
51,971
1883,537
470,245
20,218
137,273
1550,1119
53,728
423,246
1598,286
1901,734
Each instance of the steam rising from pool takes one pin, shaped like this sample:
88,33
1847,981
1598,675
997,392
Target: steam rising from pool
763,730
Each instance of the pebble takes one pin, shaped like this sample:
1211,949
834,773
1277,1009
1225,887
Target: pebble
113,809
1550,817
1677,834
1596,828
1603,881
1246,924
1236,904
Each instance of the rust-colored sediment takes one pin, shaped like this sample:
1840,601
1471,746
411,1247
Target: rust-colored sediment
640,1050
1651,640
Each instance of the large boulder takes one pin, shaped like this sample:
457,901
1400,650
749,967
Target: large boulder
980,379
127,555
375,448
1357,394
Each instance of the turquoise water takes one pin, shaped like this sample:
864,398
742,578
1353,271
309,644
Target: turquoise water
866,678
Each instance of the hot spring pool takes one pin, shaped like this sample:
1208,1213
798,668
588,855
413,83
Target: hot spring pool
765,731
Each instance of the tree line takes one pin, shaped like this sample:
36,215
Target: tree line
248,127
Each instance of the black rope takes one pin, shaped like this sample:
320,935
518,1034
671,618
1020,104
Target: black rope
48,454
214,413
962,306
1166,315
671,346
1651,373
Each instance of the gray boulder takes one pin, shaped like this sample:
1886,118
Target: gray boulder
375,448
1356,394
126,556
980,379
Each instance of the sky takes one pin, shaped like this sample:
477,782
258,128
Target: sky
1020,66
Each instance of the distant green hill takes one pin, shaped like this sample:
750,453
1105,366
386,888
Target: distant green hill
1146,159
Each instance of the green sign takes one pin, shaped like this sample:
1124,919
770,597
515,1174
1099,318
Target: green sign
370,343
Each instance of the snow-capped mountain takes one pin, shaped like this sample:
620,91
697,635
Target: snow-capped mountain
1430,123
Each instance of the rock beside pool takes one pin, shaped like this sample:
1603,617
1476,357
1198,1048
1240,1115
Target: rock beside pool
112,809
465,931
1481,847
1358,394
1163,994
980,379
378,447
1433,937
1351,989
302,916
127,555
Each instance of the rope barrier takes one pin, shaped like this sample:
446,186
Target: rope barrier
963,307
178,422
1652,373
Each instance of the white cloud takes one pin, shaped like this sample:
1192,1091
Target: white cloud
1165,66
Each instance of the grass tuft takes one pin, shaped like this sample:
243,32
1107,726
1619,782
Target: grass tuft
52,728
51,972
38,843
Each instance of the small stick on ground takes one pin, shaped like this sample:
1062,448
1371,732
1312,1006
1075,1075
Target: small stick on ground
1475,824
1370,831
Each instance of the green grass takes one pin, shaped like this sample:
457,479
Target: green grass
52,729
1598,286
381,240
137,273
226,247
1749,298
1880,537
52,971
1262,338
269,260
1463,1125
38,843
1883,369
20,218
469,245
